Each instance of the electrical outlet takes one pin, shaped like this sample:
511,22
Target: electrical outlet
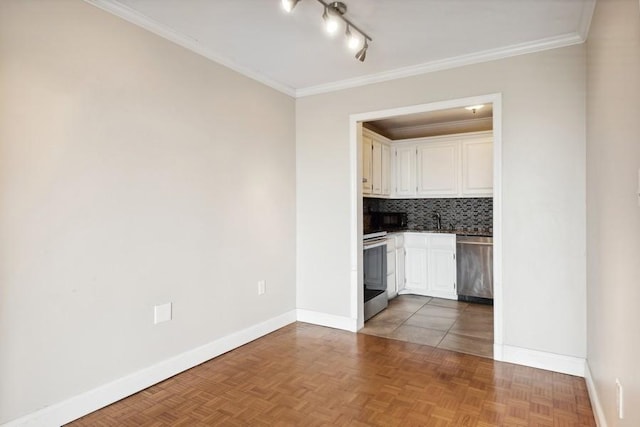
619,399
262,287
162,313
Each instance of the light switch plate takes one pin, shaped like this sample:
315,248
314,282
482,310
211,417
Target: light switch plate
162,313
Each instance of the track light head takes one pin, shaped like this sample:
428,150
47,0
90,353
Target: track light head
330,21
288,5
362,53
353,41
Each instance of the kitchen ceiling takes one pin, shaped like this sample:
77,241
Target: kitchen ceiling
293,53
434,123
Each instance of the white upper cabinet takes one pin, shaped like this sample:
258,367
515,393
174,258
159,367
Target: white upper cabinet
437,166
405,170
477,166
367,147
386,169
376,166
449,166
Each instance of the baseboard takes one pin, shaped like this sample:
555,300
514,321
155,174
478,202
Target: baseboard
329,320
598,413
85,403
540,359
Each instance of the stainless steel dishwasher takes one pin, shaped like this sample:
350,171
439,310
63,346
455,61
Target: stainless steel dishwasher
475,268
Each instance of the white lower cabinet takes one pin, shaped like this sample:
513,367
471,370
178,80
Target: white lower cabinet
429,265
400,252
392,286
442,266
415,262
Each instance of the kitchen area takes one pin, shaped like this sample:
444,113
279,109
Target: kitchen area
427,212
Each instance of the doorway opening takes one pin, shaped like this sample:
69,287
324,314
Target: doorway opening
376,121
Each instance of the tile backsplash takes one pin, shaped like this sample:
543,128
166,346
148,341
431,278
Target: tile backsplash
460,214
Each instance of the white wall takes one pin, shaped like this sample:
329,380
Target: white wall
132,173
613,211
543,189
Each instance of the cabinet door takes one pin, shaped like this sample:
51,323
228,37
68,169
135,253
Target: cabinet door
406,170
392,289
416,256
477,167
367,146
376,167
386,170
437,165
416,270
442,266
400,261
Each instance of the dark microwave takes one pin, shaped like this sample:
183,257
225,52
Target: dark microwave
384,221
392,220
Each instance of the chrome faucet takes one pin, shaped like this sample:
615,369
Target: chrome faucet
438,219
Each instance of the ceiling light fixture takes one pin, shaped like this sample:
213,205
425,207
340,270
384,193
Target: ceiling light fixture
474,108
288,5
334,12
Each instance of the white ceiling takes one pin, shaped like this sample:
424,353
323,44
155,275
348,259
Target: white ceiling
434,123
293,53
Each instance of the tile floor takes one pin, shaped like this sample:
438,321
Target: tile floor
451,325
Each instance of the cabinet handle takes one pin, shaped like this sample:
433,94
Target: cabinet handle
364,180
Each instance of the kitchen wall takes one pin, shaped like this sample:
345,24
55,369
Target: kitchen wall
543,176
613,211
470,214
132,173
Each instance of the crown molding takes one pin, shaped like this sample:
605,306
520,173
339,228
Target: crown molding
585,19
141,20
444,64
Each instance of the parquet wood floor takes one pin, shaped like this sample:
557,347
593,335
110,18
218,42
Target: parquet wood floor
306,375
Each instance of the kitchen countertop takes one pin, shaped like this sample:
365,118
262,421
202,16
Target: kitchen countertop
455,231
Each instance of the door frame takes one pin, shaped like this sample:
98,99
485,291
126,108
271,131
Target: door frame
355,148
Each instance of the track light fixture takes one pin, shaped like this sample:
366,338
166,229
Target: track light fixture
332,14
